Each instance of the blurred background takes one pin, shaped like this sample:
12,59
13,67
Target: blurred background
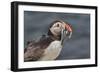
78,47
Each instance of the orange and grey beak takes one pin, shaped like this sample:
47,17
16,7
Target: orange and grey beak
66,32
68,29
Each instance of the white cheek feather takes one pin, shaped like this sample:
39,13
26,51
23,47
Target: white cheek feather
53,51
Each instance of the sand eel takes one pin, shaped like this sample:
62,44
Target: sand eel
49,46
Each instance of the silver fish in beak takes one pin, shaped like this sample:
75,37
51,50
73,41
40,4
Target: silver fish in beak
66,33
69,34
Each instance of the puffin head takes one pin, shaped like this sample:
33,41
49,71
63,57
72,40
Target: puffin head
60,30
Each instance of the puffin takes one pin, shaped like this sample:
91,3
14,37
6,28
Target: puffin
49,46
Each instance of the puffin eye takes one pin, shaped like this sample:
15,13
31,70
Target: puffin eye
57,25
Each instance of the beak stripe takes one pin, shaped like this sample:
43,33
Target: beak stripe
68,28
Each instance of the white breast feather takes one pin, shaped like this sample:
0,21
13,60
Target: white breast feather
52,51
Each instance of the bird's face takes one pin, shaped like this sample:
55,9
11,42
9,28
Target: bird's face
61,28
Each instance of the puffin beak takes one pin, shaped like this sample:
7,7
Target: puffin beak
68,30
